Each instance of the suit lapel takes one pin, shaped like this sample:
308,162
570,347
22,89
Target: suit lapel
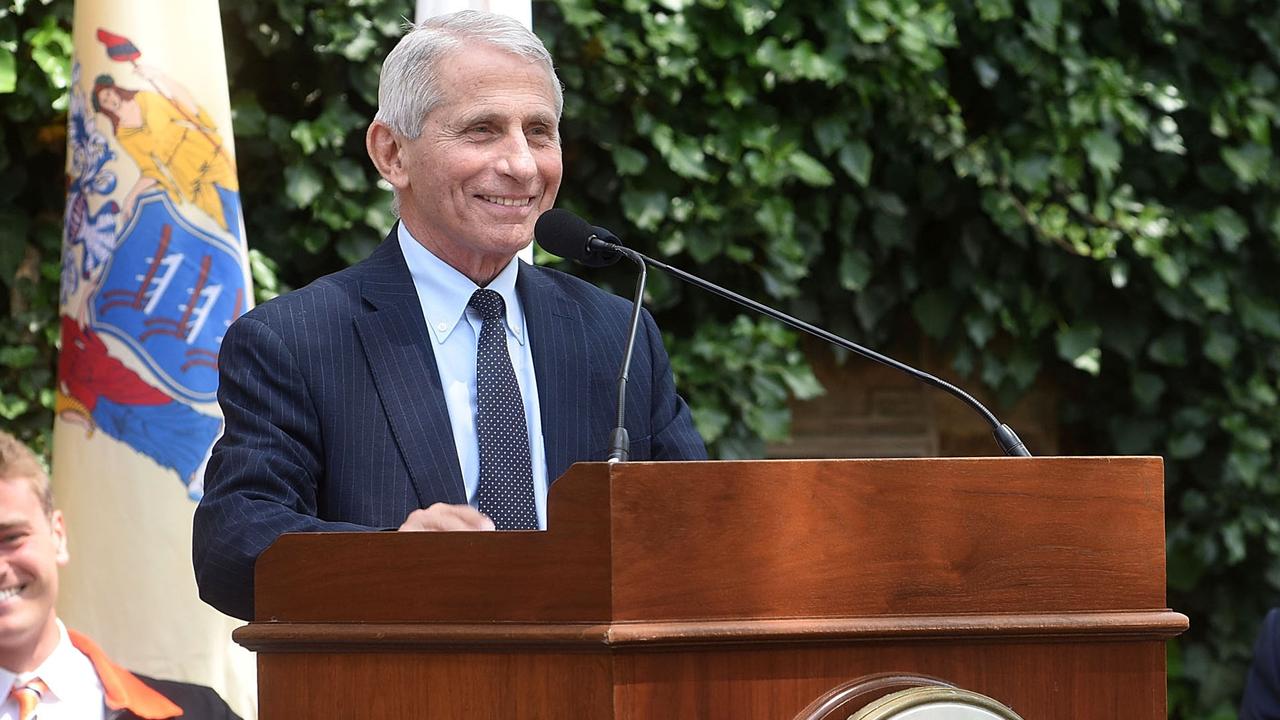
394,337
559,347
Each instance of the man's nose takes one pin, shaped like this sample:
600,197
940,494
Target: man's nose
517,159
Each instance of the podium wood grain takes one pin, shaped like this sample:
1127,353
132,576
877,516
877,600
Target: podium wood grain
739,589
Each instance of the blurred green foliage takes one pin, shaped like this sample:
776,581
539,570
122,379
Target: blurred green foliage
35,44
1078,194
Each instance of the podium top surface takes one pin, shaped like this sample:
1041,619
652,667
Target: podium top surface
707,541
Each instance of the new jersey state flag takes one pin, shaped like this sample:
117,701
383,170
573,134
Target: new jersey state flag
154,270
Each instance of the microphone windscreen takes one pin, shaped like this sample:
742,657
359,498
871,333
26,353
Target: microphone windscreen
562,233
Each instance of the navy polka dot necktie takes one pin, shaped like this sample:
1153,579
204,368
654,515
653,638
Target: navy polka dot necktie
506,471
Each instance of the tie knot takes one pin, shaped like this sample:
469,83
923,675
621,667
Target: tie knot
488,303
28,695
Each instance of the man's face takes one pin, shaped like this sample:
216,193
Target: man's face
487,163
32,548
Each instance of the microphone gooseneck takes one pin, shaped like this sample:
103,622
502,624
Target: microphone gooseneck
1005,437
562,233
583,243
619,441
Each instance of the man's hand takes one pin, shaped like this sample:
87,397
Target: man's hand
446,517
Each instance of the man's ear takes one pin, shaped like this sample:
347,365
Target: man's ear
59,528
384,149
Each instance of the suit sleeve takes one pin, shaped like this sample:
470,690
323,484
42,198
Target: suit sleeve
1261,699
264,472
674,436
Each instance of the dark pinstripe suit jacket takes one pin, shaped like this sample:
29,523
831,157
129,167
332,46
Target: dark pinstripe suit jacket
1261,700
335,418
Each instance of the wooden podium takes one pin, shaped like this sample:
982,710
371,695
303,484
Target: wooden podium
738,590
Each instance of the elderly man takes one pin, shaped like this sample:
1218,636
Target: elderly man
440,384
47,670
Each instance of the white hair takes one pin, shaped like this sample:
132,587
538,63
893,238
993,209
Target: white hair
409,86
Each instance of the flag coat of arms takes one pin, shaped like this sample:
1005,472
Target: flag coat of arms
154,270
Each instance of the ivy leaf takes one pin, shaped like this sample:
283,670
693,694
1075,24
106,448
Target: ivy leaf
1186,445
349,175
248,116
710,421
1230,227
266,283
1032,173
809,170
1045,13
993,10
831,133
302,184
18,357
777,217
645,209
1078,345
51,50
628,161
988,72
1249,162
1233,540
753,15
8,71
12,406
855,158
1221,348
1261,389
1260,315
980,327
682,153
802,383
869,30
855,269
1213,291
1103,151
1168,269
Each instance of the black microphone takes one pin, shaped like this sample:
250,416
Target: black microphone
562,233
587,241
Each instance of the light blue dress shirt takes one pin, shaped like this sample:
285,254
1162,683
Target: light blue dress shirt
454,329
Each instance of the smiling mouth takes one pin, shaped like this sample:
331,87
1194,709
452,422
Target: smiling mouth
11,592
507,202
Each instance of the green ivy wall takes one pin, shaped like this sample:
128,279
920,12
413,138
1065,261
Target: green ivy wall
1080,194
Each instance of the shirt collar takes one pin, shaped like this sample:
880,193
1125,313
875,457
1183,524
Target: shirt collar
65,671
445,292
7,679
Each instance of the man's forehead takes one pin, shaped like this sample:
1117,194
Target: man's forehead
528,113
474,63
18,494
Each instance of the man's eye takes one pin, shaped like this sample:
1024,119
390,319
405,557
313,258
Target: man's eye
543,133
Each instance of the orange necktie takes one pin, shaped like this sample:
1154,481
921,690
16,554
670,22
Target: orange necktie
28,695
